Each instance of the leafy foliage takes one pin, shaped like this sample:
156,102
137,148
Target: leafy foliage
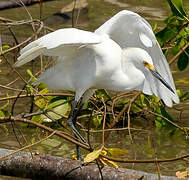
92,156
177,8
176,33
183,60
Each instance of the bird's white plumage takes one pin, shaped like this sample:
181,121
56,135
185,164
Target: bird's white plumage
129,29
57,44
111,57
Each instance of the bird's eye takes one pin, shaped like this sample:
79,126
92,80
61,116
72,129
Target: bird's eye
145,63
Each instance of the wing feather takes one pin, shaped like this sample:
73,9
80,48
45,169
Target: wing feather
58,43
129,29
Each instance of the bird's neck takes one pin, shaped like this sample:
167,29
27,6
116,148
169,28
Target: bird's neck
134,77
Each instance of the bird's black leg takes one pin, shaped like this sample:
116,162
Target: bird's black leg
79,107
72,114
76,107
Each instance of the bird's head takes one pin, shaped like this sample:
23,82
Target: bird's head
143,61
148,64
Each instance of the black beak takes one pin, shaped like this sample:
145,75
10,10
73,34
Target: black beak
158,76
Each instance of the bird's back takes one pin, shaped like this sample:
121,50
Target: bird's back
90,66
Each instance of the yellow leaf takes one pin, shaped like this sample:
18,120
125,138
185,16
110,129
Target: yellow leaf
44,91
181,174
104,152
74,157
92,156
103,162
110,162
117,151
41,103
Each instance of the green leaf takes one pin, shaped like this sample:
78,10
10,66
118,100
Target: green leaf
5,105
184,96
183,60
135,108
62,109
179,93
177,8
37,118
5,47
56,103
165,34
172,21
29,73
142,98
29,89
2,114
41,102
33,78
92,156
41,85
158,122
5,113
97,119
59,107
101,93
167,115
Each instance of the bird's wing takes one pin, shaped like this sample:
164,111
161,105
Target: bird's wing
58,43
129,29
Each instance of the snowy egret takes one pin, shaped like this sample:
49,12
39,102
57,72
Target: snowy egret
121,55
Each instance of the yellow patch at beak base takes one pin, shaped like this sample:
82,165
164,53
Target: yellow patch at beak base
149,66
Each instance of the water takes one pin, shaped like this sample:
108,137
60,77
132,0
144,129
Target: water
148,143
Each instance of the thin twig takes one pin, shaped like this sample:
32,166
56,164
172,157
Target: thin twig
28,146
103,126
122,111
13,35
100,171
73,11
155,156
174,124
41,9
29,14
33,95
78,13
115,129
179,53
12,89
26,41
126,160
71,139
180,28
13,68
158,169
58,133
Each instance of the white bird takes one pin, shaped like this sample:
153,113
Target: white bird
121,55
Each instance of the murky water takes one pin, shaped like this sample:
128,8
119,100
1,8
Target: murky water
163,146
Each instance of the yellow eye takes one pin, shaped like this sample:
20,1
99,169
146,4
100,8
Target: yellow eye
149,66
